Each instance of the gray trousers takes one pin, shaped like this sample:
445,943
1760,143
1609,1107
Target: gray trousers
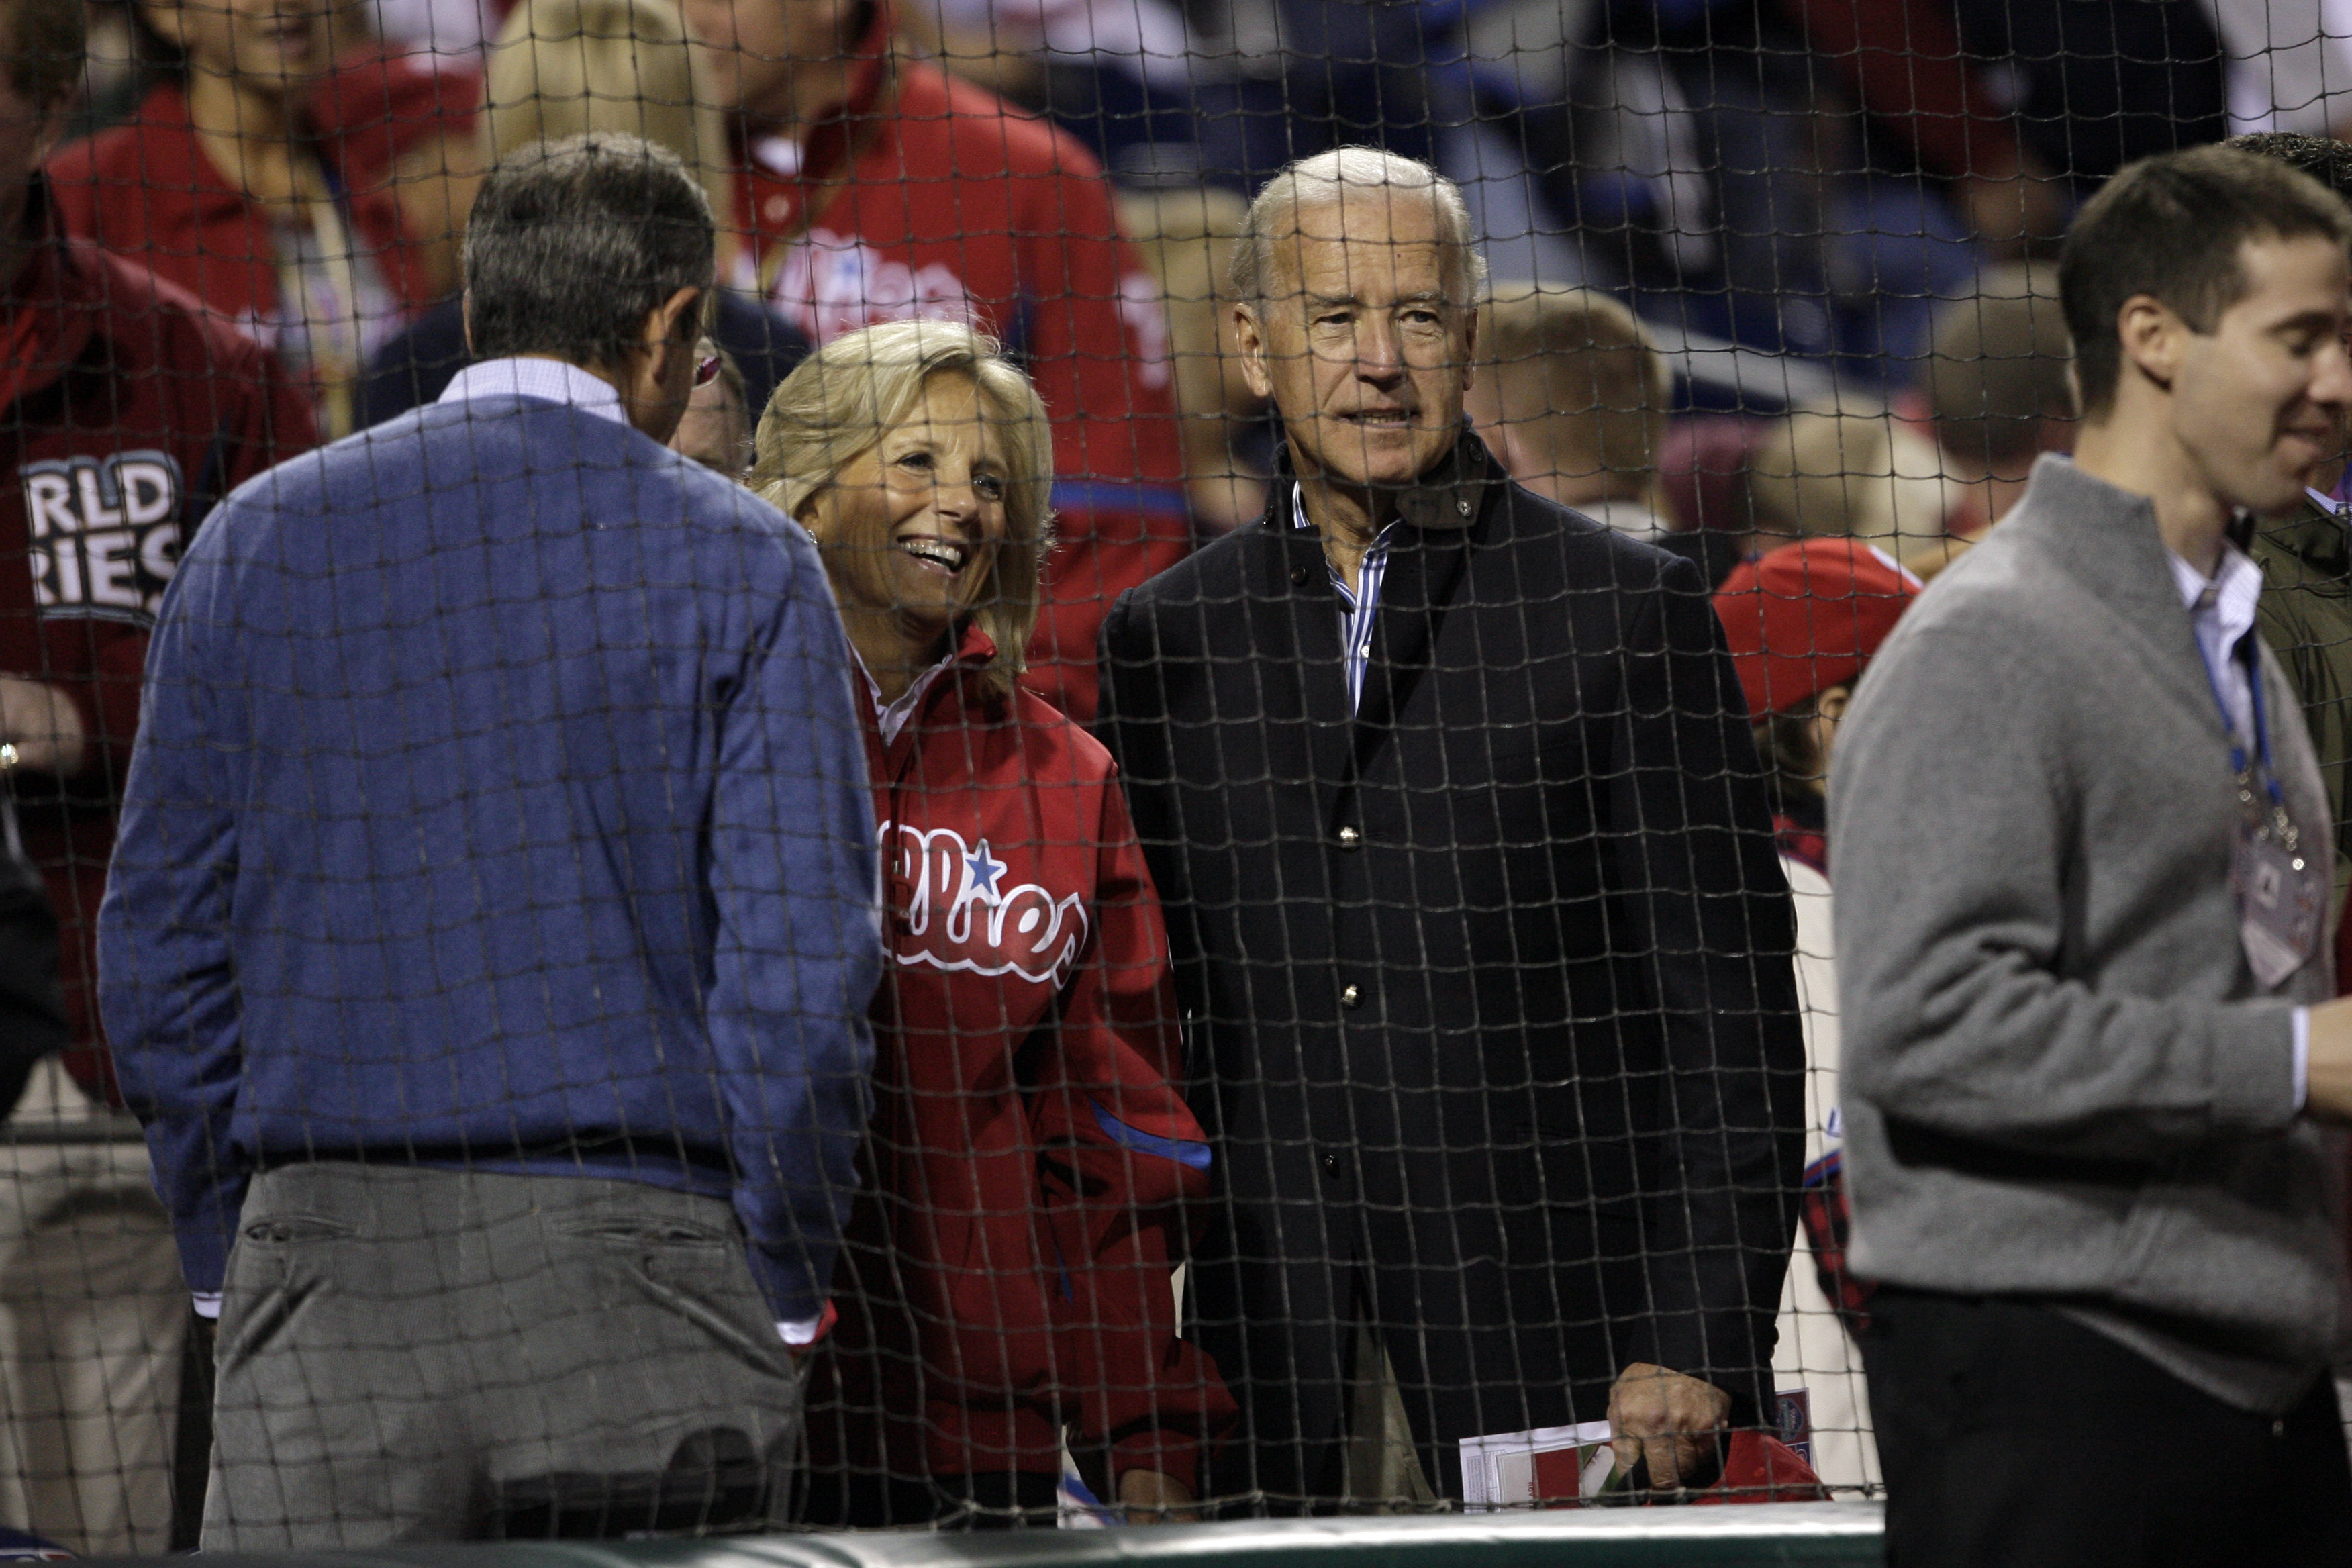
411,1354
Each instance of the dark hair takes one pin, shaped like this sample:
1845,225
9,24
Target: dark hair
2171,228
47,41
2324,158
572,243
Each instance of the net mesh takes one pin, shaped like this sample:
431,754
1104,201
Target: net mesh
1255,978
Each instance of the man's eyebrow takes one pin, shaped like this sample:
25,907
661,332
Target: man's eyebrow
2310,320
1424,297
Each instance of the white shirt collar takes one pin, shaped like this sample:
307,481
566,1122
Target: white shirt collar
2236,586
548,380
892,717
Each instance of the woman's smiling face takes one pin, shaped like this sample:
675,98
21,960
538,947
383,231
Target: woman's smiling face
911,526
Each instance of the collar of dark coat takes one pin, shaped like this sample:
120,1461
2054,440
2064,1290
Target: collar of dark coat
1452,495
2319,542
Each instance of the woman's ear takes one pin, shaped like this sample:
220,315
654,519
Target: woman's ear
1831,704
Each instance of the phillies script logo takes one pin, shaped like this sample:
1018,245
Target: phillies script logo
105,534
961,915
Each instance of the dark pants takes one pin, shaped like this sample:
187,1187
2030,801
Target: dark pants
2013,1435
412,1355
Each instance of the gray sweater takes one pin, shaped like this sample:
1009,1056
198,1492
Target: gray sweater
2061,1078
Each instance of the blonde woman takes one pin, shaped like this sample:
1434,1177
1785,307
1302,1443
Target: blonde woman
566,68
1007,1271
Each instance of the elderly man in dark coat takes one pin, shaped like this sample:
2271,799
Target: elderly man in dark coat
1483,944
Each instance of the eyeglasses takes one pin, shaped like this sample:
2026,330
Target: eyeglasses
706,371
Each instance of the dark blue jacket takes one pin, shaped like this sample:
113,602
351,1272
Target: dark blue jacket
500,803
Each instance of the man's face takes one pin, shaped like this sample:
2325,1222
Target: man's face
713,431
28,133
1358,344
748,49
2259,401
278,45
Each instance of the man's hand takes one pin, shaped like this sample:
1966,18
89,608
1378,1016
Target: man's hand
42,724
1150,1498
1666,1417
2327,1088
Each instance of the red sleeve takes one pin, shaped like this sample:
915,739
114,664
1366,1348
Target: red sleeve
73,189
1122,1155
1904,60
258,419
1098,351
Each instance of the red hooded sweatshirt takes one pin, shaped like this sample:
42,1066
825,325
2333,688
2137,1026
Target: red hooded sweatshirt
926,196
129,413
1008,1268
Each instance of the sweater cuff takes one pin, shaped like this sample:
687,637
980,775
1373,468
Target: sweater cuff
2256,1087
793,1291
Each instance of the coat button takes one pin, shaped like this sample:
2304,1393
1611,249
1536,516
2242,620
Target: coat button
1332,1165
1353,996
1463,507
1298,575
1349,839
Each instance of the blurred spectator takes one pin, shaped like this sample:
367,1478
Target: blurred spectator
1802,622
307,198
876,188
1187,238
1572,399
130,414
2306,611
1115,74
2000,392
566,68
1859,473
716,429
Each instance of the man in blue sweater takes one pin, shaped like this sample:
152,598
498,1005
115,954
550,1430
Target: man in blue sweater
492,927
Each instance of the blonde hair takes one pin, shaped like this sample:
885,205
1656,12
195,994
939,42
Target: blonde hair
569,68
841,401
1576,367
1325,180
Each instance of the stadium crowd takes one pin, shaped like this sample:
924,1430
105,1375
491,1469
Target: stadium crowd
1306,646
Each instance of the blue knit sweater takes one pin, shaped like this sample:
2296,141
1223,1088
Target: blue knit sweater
498,803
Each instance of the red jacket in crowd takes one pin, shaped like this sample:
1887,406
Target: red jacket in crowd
130,412
146,190
927,196
1008,1268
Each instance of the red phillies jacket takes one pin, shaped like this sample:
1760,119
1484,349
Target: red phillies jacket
1007,1270
927,196
147,191
130,412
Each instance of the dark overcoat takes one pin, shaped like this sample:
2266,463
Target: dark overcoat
1488,1001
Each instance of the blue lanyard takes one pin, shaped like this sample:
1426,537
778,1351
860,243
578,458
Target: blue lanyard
2262,724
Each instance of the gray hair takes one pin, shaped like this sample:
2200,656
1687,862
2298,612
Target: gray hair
1324,180
572,243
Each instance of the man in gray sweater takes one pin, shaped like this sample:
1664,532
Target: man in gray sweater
2083,857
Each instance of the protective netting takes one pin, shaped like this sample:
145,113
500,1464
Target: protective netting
1348,1062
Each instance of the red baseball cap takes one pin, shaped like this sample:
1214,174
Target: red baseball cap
1806,617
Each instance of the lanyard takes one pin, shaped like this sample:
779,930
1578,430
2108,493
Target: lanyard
2281,824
